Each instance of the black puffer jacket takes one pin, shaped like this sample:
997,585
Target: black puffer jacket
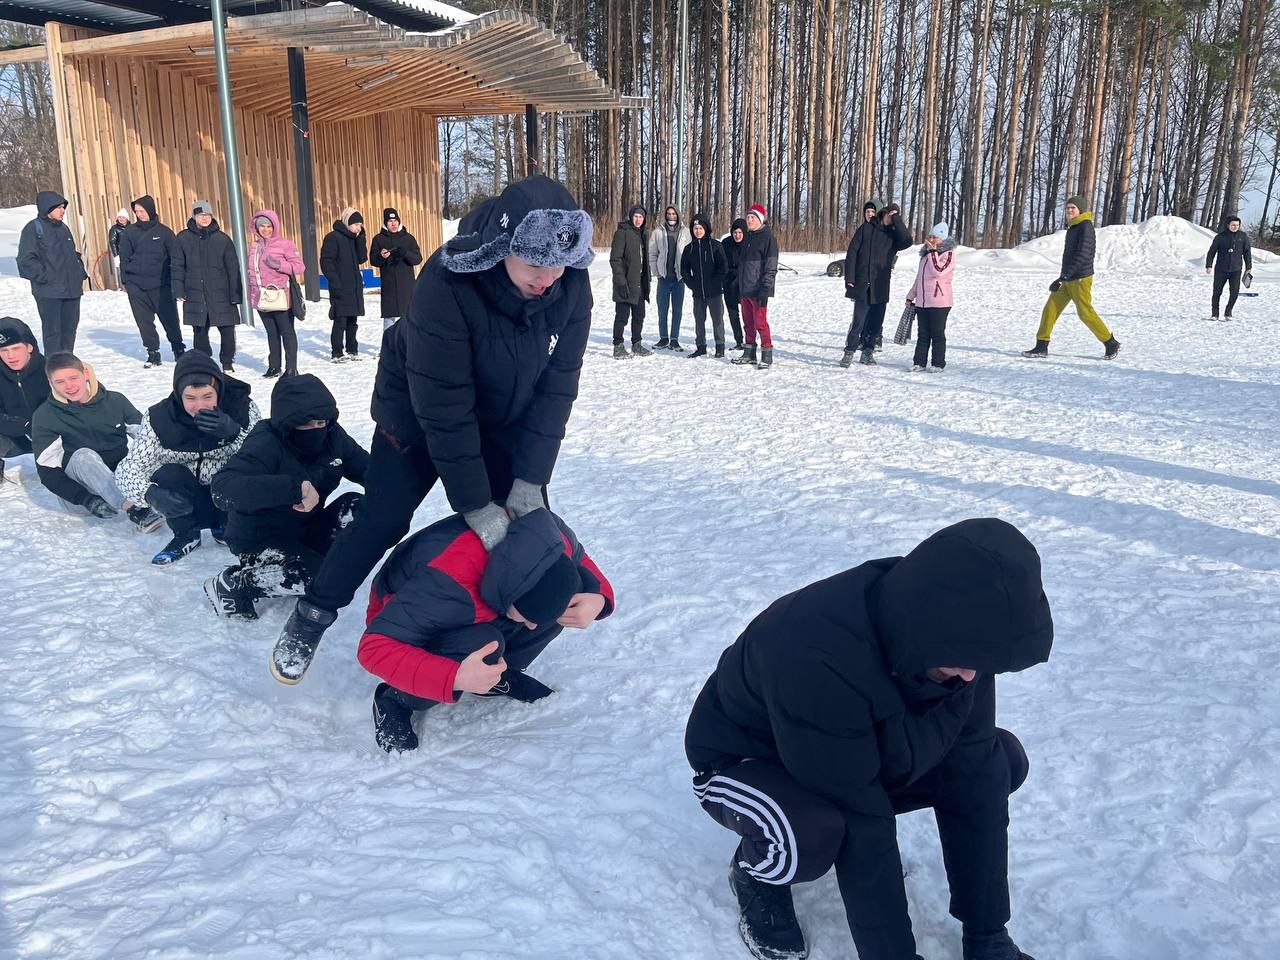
868,263
47,254
732,259
260,485
146,251
206,272
1078,248
629,260
1230,253
21,391
479,369
758,265
830,682
340,257
397,270
703,264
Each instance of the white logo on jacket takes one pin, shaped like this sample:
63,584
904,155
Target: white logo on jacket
505,221
551,344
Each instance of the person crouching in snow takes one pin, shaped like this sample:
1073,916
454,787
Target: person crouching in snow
931,294
185,439
274,491
862,696
447,617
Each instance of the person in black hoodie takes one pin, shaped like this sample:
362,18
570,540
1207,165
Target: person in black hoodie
732,244
274,491
629,262
474,388
206,280
146,258
868,268
757,272
866,695
23,387
48,258
1229,256
341,254
703,267
395,253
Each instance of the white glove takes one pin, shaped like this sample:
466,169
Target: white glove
490,524
525,497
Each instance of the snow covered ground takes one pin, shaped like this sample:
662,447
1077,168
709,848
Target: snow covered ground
162,796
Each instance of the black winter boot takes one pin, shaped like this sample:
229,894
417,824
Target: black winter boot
748,357
1041,349
991,946
699,352
766,358
662,344
620,352
638,349
298,641
847,359
766,918
153,360
719,351
675,345
868,357
392,722
1113,348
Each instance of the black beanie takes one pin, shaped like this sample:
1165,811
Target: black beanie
388,214
547,599
355,218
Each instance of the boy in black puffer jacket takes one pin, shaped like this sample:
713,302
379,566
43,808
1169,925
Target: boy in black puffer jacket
732,244
704,267
23,387
146,267
274,491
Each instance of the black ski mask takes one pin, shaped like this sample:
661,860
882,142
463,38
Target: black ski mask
309,443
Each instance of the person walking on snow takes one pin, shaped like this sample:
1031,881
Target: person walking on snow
1074,284
23,387
861,697
932,297
757,273
395,253
341,254
448,617
273,262
666,248
206,281
732,244
868,269
703,268
1229,256
474,388
114,233
629,262
47,257
146,266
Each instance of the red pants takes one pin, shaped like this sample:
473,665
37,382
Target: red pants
755,316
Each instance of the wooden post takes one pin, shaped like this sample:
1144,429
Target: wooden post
62,125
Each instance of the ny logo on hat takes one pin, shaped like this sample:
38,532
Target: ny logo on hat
566,237
505,221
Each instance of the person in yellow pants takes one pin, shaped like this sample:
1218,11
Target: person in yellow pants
1074,284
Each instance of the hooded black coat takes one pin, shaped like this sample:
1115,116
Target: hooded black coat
1230,253
868,264
21,391
206,274
47,254
830,683
703,264
147,250
260,485
733,259
340,257
481,372
629,261
758,264
397,270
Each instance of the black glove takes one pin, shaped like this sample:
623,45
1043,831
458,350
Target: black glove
99,508
1055,286
216,423
167,502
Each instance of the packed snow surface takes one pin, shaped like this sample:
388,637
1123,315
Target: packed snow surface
162,796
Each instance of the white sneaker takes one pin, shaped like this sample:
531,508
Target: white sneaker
342,359
917,369
936,369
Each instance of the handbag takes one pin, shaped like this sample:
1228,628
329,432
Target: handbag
297,305
903,333
271,299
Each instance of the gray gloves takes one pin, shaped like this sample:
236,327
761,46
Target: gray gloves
490,524
525,497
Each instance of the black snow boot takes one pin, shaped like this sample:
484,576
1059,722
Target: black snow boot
719,351
298,641
229,597
766,358
1113,348
991,946
767,918
699,352
638,349
847,359
620,352
153,360
1041,349
518,685
868,356
392,722
879,343
748,357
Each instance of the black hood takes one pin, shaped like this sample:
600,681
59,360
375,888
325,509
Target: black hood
739,224
969,596
638,208
705,221
297,399
15,329
532,545
147,203
49,200
342,228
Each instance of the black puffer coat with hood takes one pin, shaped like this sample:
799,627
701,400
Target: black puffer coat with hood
703,264
733,259
830,683
47,254
21,391
629,261
146,251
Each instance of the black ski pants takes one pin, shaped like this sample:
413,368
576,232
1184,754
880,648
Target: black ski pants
867,324
59,321
280,332
226,348
622,312
283,568
700,308
733,307
344,328
931,332
185,502
1221,280
147,305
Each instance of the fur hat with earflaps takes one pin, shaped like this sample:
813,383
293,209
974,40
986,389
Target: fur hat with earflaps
535,219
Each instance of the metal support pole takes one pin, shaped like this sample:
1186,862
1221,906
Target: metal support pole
235,202
680,107
531,139
304,173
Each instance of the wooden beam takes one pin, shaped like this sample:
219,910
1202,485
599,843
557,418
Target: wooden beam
62,127
23,55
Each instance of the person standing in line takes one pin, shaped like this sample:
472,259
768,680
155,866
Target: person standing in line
116,231
732,244
1229,256
757,274
629,261
206,281
868,268
1074,284
146,266
703,267
47,257
666,248
932,297
341,254
395,253
273,262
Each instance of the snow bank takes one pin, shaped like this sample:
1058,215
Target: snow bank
12,220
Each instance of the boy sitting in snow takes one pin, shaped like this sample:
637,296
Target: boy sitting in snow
447,617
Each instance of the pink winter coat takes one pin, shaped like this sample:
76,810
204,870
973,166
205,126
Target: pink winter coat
274,260
933,277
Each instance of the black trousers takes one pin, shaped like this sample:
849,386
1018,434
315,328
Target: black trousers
867,324
147,305
700,308
733,307
790,835
931,332
60,319
622,312
227,347
284,568
344,328
1221,280
280,332
192,508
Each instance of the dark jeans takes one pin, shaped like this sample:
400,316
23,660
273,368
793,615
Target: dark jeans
344,328
226,349
191,508
670,297
700,321
733,308
932,331
284,568
147,305
59,320
867,324
1221,280
279,324
622,312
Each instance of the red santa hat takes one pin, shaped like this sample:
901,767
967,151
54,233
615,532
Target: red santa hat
758,210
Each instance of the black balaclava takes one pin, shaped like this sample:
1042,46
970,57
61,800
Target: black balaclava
309,443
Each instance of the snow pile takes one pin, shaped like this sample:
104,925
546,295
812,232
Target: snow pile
12,220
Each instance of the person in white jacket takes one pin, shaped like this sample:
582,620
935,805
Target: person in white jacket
667,243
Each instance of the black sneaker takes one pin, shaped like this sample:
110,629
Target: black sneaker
868,356
518,686
97,507
675,345
1113,348
229,598
620,352
698,352
991,946
662,344
296,647
153,360
176,549
767,918
847,359
145,520
271,373
392,722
